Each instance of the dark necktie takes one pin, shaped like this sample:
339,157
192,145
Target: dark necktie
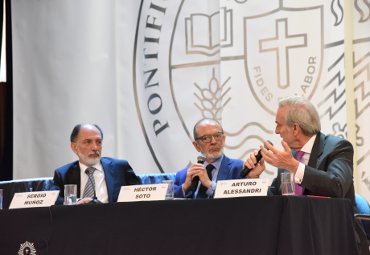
89,190
202,189
298,188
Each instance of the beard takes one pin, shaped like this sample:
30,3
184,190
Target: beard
213,155
89,160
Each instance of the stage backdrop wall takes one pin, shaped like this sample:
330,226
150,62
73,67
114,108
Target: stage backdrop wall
146,71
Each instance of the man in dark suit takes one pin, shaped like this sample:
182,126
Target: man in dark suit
326,164
108,174
196,181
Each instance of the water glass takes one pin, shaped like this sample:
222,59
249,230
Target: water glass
287,184
170,189
1,198
70,194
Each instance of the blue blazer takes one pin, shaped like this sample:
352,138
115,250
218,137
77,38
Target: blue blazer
117,173
229,169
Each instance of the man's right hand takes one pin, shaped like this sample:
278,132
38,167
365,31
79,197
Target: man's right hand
194,170
84,201
256,168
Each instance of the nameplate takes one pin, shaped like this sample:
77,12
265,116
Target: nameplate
34,199
241,188
148,192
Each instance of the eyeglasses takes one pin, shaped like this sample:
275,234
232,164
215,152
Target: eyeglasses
208,138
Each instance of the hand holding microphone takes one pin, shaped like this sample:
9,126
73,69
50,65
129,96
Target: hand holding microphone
258,157
194,183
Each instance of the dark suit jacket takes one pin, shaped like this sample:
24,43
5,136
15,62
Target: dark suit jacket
229,169
117,173
329,171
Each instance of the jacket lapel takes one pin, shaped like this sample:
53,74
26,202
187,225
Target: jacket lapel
108,175
74,177
224,170
316,150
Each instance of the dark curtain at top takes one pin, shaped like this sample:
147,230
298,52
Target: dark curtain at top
6,102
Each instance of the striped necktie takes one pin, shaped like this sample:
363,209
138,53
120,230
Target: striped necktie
89,190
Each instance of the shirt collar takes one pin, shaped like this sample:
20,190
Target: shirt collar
216,163
307,148
97,166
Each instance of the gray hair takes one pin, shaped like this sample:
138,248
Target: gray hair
302,112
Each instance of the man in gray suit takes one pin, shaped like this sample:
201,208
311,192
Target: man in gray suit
326,168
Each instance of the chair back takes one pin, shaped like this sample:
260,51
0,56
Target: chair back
363,209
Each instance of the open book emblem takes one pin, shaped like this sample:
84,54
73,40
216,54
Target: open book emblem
203,33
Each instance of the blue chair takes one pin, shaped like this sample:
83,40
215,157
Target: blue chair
363,213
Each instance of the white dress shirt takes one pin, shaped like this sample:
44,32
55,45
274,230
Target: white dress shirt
100,185
307,148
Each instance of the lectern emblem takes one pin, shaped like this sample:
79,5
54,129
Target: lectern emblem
27,248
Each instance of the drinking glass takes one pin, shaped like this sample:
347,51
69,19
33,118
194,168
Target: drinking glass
170,189
70,194
1,198
287,184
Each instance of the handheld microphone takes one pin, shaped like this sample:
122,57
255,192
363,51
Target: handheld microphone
246,170
194,183
201,159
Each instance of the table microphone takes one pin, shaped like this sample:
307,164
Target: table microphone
246,170
194,183
95,200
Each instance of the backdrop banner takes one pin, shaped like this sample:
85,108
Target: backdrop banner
146,71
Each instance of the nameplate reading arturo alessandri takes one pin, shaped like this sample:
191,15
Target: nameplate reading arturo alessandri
241,188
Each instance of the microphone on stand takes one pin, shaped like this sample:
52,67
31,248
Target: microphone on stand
194,183
246,170
95,200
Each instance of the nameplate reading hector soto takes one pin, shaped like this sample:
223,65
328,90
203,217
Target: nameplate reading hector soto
148,192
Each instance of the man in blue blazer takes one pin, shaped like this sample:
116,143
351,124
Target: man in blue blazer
326,167
108,174
196,181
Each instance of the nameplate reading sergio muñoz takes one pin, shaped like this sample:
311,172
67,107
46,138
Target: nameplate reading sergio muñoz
34,199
